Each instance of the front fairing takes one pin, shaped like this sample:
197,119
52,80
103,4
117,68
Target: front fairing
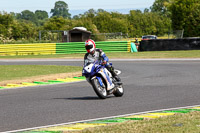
95,69
91,69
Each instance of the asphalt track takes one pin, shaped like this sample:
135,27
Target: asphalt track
149,85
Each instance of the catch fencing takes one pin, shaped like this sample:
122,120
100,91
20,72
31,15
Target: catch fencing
60,48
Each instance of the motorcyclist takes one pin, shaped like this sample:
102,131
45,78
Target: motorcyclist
136,40
93,54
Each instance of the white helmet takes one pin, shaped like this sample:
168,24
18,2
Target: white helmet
90,46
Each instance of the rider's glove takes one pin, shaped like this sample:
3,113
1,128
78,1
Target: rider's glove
104,62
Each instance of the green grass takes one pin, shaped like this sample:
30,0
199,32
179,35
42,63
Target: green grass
179,123
157,54
136,55
11,72
44,56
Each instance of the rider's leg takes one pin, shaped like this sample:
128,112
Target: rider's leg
111,70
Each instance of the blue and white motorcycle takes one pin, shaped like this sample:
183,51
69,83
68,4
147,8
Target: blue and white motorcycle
102,81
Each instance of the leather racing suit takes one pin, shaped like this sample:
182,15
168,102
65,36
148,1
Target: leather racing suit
100,56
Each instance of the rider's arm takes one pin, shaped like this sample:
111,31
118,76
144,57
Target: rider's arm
105,58
103,55
86,60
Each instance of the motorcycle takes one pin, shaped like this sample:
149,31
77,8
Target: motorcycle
102,81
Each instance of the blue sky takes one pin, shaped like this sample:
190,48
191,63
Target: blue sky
74,5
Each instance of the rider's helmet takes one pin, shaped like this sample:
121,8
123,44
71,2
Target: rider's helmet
90,46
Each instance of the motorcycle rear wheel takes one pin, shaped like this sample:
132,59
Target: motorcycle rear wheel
99,90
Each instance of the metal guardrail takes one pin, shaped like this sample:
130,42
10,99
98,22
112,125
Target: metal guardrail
79,47
27,49
60,48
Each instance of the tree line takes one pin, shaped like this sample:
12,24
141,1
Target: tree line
162,17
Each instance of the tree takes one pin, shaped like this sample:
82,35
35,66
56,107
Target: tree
61,9
41,15
135,20
55,23
186,15
27,15
23,29
6,21
161,7
91,13
147,23
103,21
146,10
100,10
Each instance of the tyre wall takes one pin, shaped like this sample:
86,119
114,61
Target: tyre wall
170,44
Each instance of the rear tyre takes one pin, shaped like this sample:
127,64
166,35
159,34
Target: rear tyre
99,90
119,92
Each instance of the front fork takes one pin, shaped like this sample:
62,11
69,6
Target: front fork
100,81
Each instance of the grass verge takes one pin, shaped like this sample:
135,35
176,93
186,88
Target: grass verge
179,123
14,72
157,54
121,55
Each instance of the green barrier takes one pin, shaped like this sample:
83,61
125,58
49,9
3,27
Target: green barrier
79,47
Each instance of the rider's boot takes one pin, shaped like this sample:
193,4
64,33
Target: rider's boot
117,78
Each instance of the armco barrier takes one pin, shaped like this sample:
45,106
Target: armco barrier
60,48
28,49
79,47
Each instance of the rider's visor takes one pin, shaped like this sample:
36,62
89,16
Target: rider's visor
88,47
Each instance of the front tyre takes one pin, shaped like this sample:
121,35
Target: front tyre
99,90
119,91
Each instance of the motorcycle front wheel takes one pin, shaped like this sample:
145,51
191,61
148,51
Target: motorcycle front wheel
119,91
99,90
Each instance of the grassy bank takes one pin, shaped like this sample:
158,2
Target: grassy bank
12,72
136,55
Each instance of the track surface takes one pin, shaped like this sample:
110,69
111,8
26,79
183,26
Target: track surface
149,85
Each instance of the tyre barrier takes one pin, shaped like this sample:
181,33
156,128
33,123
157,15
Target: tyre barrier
104,122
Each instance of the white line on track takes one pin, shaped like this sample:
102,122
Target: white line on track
81,121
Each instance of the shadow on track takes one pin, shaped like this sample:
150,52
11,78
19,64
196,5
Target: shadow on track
81,98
